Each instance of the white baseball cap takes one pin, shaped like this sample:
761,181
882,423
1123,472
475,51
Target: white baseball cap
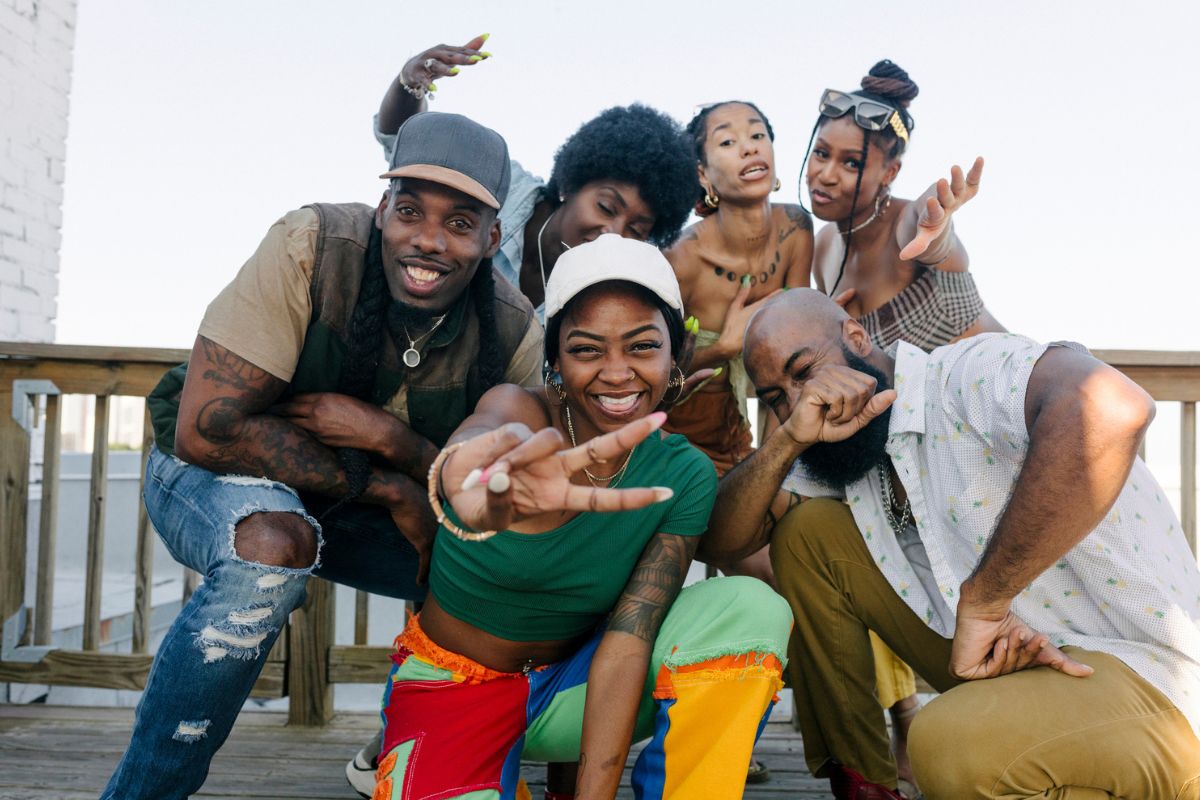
611,258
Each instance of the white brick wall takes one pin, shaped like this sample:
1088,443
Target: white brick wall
36,41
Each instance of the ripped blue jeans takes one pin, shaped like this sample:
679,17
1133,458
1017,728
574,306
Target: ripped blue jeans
212,654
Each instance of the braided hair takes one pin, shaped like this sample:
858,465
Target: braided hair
887,83
373,310
697,130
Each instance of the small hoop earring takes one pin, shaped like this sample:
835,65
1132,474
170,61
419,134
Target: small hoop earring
710,198
778,185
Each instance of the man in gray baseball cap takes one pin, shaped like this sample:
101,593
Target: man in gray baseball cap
323,382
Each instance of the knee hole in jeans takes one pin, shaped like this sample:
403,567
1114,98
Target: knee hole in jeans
277,539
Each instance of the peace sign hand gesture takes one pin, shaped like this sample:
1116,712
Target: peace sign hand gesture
510,474
425,67
935,217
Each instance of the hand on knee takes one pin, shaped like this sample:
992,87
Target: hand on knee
277,539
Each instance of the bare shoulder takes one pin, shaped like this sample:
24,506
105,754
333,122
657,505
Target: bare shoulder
509,402
794,216
683,254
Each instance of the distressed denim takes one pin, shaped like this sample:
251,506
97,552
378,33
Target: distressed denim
213,653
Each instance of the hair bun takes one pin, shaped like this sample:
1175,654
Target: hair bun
890,82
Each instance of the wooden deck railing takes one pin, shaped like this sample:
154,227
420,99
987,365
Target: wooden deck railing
304,663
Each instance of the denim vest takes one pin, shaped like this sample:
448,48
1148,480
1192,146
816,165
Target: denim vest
432,398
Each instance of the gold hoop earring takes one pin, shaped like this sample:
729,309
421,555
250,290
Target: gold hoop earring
557,386
710,198
778,185
675,382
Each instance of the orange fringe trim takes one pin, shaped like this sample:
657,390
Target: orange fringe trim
415,641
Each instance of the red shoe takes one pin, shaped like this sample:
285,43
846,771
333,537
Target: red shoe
849,785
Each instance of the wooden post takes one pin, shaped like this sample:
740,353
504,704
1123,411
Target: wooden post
310,694
14,495
93,583
144,566
48,532
1187,472
361,599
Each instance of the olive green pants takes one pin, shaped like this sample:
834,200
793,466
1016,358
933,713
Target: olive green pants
1033,734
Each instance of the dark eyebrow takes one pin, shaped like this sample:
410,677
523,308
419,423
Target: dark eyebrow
585,334
637,331
474,208
801,353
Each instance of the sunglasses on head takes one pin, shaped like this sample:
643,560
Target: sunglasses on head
869,114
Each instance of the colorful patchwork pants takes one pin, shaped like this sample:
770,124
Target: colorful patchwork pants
455,729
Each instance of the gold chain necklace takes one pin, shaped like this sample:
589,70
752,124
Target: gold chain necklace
612,480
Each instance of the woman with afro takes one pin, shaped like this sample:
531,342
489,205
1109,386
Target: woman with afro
627,171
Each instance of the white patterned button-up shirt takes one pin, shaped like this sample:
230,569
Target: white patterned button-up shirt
957,439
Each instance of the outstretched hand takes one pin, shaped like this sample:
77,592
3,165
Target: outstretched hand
733,332
989,643
442,60
935,217
835,403
511,474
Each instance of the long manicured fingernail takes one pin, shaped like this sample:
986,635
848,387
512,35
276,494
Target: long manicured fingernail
432,87
472,479
658,418
662,493
454,71
718,371
484,38
474,59
485,54
745,280
499,483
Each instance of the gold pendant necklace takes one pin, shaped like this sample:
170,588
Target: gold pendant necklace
612,480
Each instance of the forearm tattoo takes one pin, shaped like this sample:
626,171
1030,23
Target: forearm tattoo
653,586
243,440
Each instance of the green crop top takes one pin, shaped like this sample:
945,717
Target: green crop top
561,583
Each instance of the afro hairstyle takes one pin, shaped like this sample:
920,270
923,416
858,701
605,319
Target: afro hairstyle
638,145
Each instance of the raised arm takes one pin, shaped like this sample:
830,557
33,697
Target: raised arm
925,232
405,95
618,672
1085,422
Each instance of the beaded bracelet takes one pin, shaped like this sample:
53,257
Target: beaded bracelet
435,501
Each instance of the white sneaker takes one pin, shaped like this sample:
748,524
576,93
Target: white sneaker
361,775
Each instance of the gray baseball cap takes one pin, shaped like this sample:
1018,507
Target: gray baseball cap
454,151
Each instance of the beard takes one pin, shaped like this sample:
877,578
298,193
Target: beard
838,464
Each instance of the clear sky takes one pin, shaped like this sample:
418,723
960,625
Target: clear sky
194,126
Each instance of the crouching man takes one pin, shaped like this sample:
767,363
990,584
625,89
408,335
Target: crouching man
991,521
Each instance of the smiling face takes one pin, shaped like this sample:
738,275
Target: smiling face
604,206
614,356
433,240
833,169
739,158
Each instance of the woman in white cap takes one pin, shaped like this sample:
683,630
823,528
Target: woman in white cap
555,627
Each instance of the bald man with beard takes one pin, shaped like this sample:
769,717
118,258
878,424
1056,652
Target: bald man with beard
982,508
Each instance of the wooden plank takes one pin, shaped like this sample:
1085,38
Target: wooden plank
272,681
75,352
144,560
359,663
81,377
361,607
80,668
1187,485
98,491
1149,358
310,694
43,619
1181,383
14,497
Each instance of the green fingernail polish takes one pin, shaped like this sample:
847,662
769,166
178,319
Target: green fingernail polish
745,280
718,371
485,36
454,71
485,53
474,59
432,87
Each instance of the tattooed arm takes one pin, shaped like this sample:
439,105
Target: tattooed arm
618,673
796,241
223,426
750,502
